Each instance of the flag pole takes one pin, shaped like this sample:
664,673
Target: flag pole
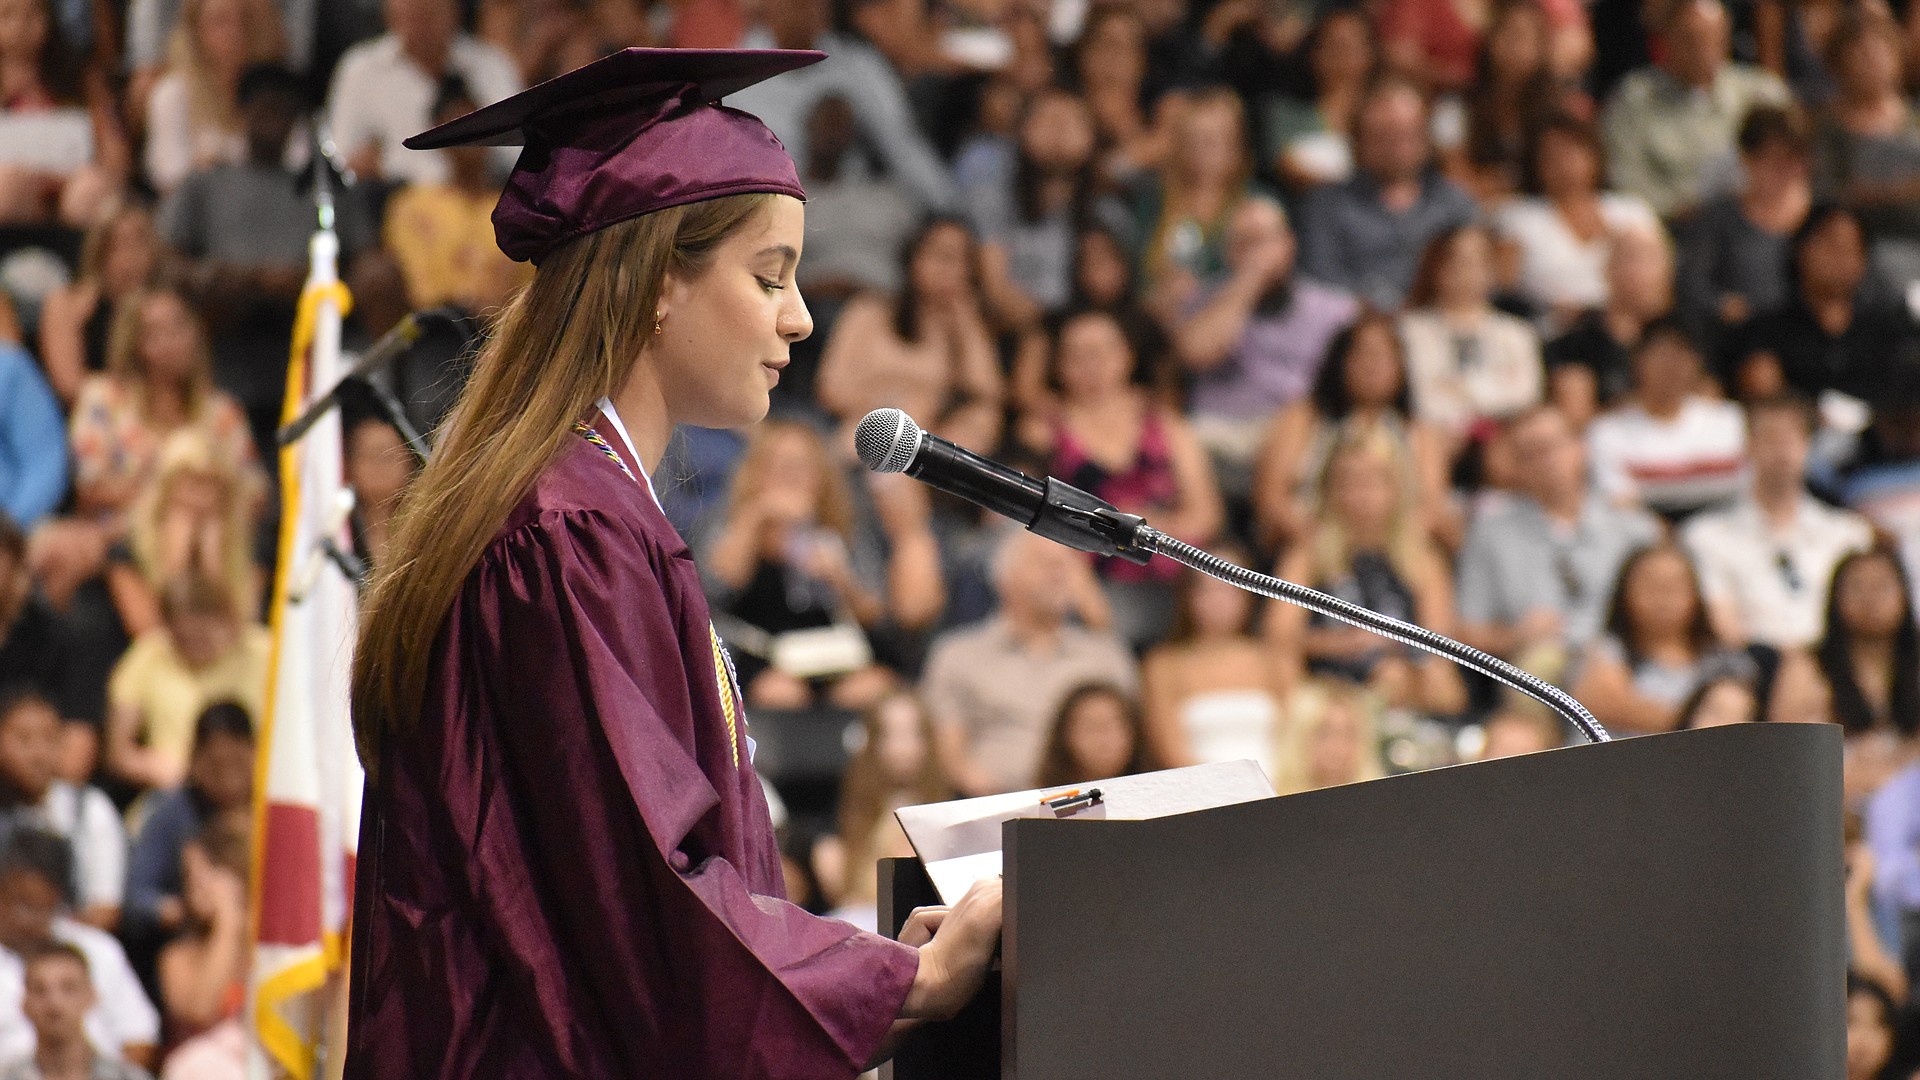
307,784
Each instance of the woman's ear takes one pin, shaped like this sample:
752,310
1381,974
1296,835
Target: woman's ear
673,293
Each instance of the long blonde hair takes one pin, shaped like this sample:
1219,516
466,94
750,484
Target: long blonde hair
570,337
190,454
210,106
1332,547
1309,708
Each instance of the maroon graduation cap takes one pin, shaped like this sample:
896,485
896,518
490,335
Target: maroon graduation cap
628,134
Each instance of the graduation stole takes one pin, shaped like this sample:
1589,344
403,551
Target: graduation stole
724,677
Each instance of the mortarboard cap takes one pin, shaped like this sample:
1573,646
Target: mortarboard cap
628,134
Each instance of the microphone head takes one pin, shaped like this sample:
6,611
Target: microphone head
887,440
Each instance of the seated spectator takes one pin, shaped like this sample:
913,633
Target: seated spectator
378,467
1109,67
63,152
1308,140
33,452
856,73
193,113
1766,560
441,233
1717,702
35,872
1868,145
1873,940
1836,327
1588,368
1361,387
1538,567
241,233
30,654
1565,226
1331,737
159,380
1254,341
202,652
1103,280
1791,38
1211,692
1870,650
1659,646
1110,438
195,517
1520,729
1469,365
1181,210
1668,447
57,995
1097,734
32,795
1879,476
895,766
1441,43
219,781
1733,254
1486,128
382,90
926,351
1872,1022
992,687
119,259
857,219
1671,128
1367,548
809,580
1367,233
203,971
1890,825
1027,212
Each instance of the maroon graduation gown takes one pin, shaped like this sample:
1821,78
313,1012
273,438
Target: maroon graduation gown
565,872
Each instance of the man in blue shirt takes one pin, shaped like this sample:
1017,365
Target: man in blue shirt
33,436
1367,234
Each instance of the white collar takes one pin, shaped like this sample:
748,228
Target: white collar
620,429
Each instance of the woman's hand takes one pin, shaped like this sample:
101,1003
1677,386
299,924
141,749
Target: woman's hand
958,951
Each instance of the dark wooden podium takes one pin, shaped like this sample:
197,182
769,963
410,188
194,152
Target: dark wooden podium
1662,907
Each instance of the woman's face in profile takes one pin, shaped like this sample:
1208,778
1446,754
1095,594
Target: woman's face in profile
725,333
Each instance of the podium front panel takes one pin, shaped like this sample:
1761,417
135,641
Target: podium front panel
1661,907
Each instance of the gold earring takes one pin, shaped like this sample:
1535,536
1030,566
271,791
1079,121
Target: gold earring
656,321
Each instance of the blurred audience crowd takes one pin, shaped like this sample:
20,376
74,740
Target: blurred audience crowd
1582,330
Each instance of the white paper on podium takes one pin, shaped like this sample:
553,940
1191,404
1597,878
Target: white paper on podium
959,841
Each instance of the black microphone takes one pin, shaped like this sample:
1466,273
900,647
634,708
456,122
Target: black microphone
889,441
